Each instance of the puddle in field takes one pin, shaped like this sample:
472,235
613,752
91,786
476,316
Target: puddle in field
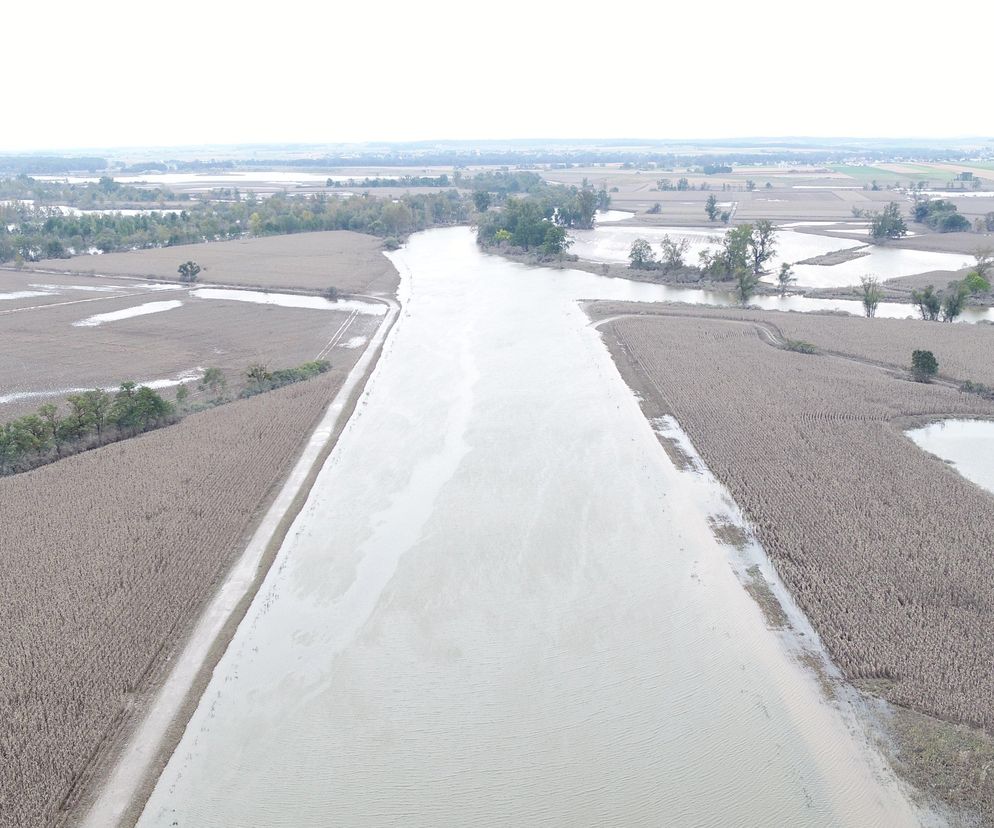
165,382
967,445
22,294
353,342
291,300
127,313
608,216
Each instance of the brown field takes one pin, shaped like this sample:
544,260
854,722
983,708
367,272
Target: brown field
964,352
885,548
105,559
45,354
352,262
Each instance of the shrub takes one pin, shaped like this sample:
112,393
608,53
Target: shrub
924,366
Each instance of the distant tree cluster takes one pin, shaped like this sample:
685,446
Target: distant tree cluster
940,215
31,233
642,257
106,192
403,181
538,223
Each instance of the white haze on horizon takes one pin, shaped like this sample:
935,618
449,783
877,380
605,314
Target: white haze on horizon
114,74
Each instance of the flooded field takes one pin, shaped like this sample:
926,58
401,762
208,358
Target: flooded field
613,243
291,300
128,313
967,445
503,604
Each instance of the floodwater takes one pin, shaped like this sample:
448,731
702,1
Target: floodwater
128,313
502,604
291,300
967,445
608,216
165,382
613,244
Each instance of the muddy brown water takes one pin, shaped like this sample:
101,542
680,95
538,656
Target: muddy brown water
504,605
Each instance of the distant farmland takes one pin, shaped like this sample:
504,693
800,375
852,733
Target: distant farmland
886,549
352,262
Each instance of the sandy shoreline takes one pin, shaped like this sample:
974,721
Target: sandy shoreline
127,773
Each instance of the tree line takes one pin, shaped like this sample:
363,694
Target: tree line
94,418
403,181
30,233
97,417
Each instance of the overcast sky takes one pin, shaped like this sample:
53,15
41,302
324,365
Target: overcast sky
107,73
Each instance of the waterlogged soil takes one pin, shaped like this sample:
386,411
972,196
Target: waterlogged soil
503,604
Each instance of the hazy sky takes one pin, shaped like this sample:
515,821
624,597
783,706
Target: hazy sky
107,73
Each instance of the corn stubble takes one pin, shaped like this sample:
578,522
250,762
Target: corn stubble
887,550
105,558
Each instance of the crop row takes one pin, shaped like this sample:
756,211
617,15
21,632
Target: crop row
105,558
888,551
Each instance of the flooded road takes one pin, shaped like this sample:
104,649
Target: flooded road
502,604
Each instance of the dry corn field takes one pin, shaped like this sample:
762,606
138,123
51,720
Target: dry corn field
352,262
964,351
47,356
887,550
105,560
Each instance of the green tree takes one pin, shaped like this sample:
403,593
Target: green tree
928,301
732,256
673,253
32,434
924,366
711,208
55,431
481,200
258,376
871,295
954,300
98,404
189,271
640,256
330,293
785,278
745,284
214,383
984,257
182,397
975,283
762,244
888,223
556,241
